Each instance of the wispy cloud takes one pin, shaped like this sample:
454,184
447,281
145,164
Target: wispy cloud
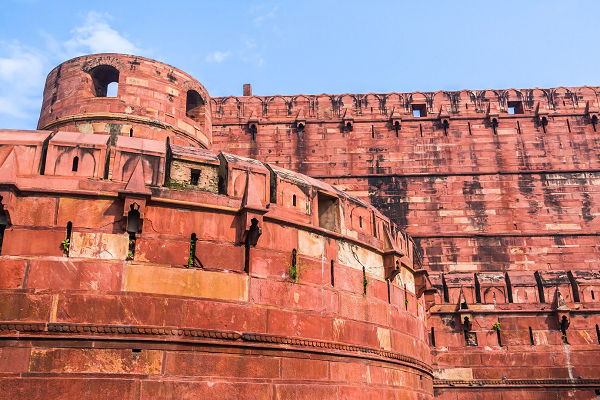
258,21
23,69
96,36
218,56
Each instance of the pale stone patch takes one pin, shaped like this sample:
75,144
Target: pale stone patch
338,328
106,246
172,92
558,227
310,244
136,81
186,282
383,336
458,267
356,257
463,374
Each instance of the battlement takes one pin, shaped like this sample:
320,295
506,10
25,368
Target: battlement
417,106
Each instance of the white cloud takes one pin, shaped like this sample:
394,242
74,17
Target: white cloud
23,69
96,36
21,81
218,56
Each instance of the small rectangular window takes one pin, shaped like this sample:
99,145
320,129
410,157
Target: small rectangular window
470,338
419,110
515,107
195,177
327,211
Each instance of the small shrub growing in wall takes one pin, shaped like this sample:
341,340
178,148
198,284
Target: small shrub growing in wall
296,268
66,244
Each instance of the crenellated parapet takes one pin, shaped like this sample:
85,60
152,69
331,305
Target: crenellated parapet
416,106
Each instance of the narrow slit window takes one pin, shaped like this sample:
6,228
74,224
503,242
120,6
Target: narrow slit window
469,125
499,337
372,132
432,336
532,342
294,200
192,258
75,164
568,125
598,333
360,222
332,274
389,288
3,225
66,244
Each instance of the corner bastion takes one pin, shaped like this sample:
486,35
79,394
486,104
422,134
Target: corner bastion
137,263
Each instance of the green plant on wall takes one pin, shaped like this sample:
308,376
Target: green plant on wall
190,262
496,326
66,244
365,285
406,302
296,268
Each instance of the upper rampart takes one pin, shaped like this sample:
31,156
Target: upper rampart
127,95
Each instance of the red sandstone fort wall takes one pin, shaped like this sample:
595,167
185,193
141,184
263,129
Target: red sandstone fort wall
498,188
486,194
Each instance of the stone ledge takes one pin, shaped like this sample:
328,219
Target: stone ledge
187,334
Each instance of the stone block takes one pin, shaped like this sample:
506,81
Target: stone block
106,246
186,282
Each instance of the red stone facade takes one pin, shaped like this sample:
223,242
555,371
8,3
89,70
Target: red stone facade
498,188
136,262
156,244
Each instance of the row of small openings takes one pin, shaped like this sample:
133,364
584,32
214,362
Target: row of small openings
509,293
471,337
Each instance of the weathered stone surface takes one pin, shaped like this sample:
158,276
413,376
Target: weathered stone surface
157,268
99,245
185,282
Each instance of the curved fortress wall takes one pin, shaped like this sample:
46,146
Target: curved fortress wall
499,189
137,268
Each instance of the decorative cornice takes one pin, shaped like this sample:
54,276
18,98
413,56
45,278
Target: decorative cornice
187,334
479,383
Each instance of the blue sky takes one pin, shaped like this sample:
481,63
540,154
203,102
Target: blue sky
292,47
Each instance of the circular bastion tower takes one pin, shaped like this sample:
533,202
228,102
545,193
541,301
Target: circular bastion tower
137,263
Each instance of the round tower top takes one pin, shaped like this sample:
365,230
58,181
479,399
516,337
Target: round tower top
127,95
